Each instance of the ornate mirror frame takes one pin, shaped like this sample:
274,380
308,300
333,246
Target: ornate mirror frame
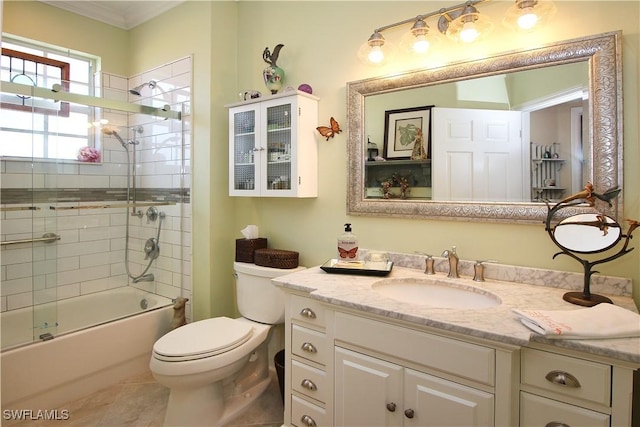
604,55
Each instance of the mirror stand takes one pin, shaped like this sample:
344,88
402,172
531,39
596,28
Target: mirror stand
589,233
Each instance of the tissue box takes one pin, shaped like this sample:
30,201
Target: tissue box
245,248
276,258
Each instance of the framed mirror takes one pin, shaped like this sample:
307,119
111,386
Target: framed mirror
597,58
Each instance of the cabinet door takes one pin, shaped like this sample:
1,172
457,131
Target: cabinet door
432,401
244,154
368,391
278,137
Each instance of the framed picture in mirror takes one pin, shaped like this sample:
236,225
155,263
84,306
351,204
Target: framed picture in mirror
407,133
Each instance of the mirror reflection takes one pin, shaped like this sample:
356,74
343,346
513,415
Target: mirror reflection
501,135
511,137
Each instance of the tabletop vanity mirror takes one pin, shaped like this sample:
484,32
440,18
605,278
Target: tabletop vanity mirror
584,75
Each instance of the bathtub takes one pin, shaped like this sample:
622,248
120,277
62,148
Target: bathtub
81,358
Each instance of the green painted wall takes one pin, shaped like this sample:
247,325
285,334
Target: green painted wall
321,40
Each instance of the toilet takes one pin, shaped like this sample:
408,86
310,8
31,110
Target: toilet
216,367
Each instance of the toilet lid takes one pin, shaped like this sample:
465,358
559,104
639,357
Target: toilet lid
201,339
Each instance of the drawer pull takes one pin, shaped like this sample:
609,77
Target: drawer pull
308,384
409,413
556,424
563,379
308,347
391,407
308,421
308,313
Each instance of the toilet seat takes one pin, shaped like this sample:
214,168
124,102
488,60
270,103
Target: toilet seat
202,339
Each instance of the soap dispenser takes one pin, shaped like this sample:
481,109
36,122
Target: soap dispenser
347,244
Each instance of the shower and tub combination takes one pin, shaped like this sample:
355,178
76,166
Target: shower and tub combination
81,310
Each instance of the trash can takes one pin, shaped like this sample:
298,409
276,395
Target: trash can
278,360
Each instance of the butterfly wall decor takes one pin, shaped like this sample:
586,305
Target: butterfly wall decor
329,132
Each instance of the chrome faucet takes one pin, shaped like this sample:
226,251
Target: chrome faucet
453,262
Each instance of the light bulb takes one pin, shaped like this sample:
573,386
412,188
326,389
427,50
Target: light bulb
421,44
528,19
376,55
469,32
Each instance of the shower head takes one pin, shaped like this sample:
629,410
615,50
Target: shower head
136,90
112,132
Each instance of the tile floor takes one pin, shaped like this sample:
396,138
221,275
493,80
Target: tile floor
141,402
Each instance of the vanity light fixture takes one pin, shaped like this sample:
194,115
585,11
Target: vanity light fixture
529,14
462,21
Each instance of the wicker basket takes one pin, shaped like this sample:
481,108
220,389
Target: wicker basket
276,258
245,248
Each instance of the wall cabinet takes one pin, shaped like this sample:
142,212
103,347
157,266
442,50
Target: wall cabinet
273,147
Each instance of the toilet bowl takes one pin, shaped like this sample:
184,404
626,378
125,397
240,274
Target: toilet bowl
216,367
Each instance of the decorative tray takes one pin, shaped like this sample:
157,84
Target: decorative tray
337,266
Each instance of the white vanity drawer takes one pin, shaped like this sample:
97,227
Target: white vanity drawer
539,412
305,414
558,373
459,358
309,344
307,310
309,381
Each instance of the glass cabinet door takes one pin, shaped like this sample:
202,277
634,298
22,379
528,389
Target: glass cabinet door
244,155
278,148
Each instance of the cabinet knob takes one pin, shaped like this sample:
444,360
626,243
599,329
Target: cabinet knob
308,313
391,407
308,384
308,421
308,347
409,413
556,424
563,378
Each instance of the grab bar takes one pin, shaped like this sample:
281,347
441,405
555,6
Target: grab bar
121,205
46,238
22,208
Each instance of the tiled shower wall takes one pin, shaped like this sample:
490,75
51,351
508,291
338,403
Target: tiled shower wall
89,257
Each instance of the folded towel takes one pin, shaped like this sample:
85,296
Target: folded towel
600,321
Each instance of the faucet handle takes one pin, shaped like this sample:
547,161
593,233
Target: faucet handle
478,270
428,263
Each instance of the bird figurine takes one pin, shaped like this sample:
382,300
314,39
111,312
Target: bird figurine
272,58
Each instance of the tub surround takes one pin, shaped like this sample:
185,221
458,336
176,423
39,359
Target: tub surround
517,287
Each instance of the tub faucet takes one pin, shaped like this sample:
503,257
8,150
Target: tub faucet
453,262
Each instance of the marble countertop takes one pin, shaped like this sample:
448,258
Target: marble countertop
496,323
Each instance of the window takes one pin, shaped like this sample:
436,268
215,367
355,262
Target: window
41,128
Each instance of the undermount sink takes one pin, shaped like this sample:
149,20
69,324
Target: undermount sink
434,292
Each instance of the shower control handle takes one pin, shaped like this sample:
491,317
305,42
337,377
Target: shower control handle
152,214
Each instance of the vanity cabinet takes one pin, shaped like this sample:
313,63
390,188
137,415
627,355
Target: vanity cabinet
272,146
308,389
348,367
563,390
375,392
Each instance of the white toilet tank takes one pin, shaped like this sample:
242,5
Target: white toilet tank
257,298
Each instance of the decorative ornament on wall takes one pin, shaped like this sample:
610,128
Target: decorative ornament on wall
329,132
273,75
